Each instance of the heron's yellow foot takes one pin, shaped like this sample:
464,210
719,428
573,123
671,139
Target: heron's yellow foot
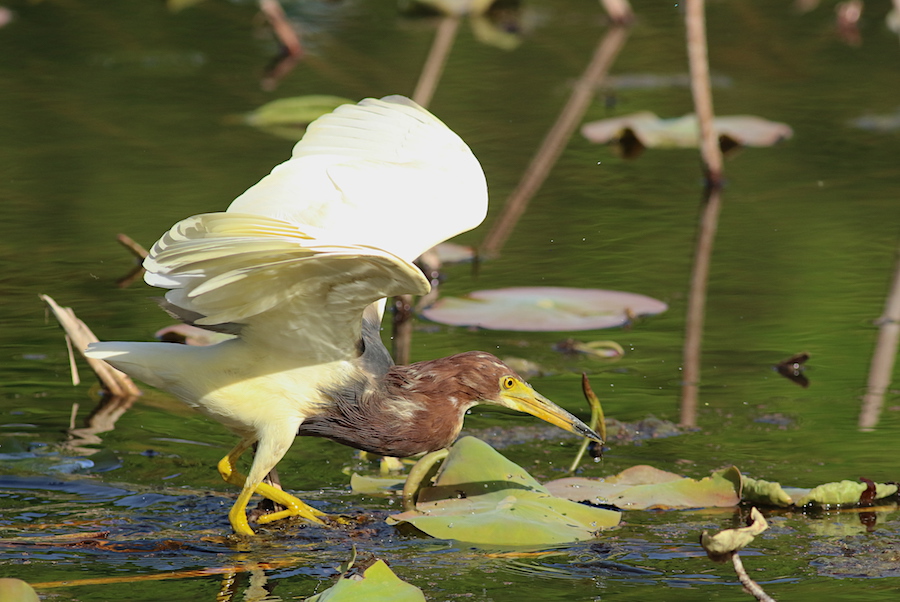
295,506
238,513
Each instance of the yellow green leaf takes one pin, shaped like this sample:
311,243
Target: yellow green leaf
377,584
732,540
481,497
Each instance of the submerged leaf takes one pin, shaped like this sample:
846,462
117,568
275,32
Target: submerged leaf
543,309
682,132
481,497
377,584
642,487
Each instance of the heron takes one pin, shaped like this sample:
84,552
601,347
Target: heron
297,269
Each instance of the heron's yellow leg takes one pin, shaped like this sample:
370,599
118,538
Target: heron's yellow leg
237,516
227,465
238,513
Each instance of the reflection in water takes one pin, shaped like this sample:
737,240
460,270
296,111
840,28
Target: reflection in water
696,305
882,368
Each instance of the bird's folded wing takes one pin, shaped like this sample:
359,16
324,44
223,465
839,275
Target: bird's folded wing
383,173
274,279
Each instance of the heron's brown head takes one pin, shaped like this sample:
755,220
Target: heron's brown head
485,379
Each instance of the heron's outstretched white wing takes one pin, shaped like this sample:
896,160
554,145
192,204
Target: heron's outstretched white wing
382,173
300,290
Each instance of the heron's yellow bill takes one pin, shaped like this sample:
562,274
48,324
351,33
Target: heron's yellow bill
518,395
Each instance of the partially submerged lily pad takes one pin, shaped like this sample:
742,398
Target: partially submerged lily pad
481,497
843,493
682,132
16,590
378,583
363,484
543,309
644,487
288,117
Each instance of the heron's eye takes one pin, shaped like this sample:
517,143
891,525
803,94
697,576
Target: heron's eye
509,382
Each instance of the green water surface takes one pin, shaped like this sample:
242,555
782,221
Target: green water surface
120,117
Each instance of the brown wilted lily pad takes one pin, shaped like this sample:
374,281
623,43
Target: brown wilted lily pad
644,487
538,308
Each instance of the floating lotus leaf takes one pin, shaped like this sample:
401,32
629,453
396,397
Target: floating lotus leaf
843,493
757,491
288,117
888,122
653,132
732,540
543,309
378,583
362,484
644,487
481,497
16,590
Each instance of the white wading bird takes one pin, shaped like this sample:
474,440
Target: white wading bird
297,268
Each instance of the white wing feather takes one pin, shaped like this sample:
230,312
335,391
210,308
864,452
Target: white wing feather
382,173
298,257
288,287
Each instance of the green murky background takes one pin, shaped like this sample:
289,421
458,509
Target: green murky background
119,117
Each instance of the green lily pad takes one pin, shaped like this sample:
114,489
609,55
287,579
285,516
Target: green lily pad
644,487
480,497
682,132
543,309
16,590
843,493
377,584
288,117
362,484
758,491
